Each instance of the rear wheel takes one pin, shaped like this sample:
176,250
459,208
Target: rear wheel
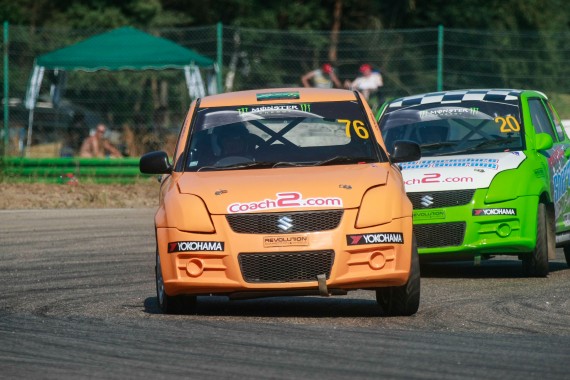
171,304
403,300
567,254
535,263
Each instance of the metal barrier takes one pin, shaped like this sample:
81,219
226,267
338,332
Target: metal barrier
70,170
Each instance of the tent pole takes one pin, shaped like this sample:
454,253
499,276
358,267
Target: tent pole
6,91
220,35
31,97
29,137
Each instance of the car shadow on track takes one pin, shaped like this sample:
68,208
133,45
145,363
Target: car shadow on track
291,307
493,268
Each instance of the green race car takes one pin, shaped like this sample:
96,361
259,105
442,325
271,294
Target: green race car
494,178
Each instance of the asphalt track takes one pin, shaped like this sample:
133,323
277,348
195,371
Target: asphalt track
77,300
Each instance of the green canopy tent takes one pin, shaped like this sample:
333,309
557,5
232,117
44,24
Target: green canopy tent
120,49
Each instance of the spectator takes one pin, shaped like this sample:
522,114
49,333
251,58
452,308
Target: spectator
74,135
324,77
97,145
368,83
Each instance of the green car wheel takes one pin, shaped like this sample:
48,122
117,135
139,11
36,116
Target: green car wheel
535,263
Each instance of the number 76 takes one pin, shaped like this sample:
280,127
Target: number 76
357,126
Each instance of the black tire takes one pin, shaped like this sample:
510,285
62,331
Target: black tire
171,304
535,263
403,300
567,254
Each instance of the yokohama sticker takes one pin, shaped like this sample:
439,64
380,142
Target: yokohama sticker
285,200
195,246
375,238
494,211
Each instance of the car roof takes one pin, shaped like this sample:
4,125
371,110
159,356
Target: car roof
462,95
277,95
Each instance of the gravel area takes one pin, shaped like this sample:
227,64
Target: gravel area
55,196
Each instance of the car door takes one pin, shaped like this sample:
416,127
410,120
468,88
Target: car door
546,120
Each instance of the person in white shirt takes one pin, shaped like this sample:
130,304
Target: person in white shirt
368,83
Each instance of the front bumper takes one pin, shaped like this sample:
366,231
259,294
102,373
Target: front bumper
457,232
221,271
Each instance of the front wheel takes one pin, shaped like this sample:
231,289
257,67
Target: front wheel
567,254
171,304
535,263
403,300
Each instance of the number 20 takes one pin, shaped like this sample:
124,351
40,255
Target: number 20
508,124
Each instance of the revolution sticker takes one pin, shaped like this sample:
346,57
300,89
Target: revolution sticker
494,211
195,246
285,241
428,214
375,238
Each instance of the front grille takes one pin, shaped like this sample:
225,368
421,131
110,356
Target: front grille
267,223
439,234
441,198
285,266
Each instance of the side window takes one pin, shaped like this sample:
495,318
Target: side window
556,120
540,118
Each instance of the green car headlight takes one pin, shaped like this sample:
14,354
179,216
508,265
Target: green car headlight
522,181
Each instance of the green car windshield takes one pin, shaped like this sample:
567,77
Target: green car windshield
455,128
281,135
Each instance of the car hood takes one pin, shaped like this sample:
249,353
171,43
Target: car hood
472,171
283,189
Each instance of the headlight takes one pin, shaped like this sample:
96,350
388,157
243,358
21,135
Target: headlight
187,212
377,207
510,184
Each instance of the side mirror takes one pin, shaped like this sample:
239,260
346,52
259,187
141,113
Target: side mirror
543,141
155,163
405,151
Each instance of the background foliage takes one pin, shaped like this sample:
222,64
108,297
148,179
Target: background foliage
496,15
487,43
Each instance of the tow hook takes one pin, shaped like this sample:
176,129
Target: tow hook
477,260
323,290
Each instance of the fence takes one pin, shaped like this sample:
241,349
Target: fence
146,108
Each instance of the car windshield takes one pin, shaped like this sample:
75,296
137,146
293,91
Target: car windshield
281,135
473,126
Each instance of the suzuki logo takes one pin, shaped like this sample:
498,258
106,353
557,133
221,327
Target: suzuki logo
285,223
427,200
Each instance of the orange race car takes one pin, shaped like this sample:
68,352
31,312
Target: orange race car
283,192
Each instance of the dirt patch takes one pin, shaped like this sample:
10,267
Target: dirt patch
43,196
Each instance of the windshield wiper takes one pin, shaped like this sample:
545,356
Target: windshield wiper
248,165
483,144
344,160
438,144
288,163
